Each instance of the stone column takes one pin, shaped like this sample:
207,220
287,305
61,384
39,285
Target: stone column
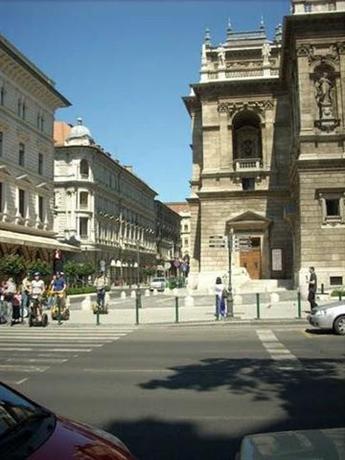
305,93
341,81
225,159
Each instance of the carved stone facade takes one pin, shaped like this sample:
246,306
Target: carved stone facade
28,101
268,150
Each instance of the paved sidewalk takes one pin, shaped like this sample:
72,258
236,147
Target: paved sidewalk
167,314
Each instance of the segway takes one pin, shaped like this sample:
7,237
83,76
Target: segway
59,312
34,317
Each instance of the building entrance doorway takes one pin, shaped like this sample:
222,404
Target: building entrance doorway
251,259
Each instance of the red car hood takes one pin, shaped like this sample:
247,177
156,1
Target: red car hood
72,440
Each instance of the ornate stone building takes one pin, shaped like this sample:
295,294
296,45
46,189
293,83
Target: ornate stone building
167,233
103,206
182,208
268,150
28,100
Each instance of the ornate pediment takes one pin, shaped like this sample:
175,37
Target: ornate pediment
248,221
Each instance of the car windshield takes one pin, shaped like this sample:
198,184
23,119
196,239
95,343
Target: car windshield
155,280
15,411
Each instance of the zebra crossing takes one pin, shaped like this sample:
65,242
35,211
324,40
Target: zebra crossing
26,352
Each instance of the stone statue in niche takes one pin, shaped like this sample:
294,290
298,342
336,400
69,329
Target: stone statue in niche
324,96
266,52
221,56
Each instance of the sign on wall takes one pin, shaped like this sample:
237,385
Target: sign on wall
277,260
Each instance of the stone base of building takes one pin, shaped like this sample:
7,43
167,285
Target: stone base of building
204,281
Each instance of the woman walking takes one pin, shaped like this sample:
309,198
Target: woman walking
220,291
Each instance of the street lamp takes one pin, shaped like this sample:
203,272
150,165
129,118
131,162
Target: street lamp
230,297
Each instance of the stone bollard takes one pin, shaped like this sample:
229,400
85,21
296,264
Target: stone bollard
86,303
123,295
155,292
133,294
189,301
274,297
175,292
147,293
238,300
166,291
107,299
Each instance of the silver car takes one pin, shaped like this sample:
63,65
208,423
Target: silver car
158,283
329,316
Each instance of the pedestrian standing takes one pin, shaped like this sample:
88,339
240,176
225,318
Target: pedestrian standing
26,291
220,291
100,284
9,290
312,287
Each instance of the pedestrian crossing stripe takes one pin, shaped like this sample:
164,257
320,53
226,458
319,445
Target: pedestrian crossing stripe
30,351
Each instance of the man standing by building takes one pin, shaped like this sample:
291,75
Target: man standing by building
312,287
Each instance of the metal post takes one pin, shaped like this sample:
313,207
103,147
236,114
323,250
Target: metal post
299,304
217,308
230,300
136,311
322,288
176,310
340,296
97,316
59,309
257,306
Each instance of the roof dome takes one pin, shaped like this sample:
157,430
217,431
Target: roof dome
79,135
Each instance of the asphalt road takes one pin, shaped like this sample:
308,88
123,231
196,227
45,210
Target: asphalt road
181,392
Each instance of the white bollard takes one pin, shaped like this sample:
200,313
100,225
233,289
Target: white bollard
166,291
133,294
86,303
147,293
175,292
189,301
123,295
107,298
274,297
155,292
238,299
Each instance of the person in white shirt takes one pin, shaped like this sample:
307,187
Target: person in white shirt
220,298
37,290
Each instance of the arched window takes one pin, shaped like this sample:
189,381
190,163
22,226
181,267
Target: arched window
84,169
247,136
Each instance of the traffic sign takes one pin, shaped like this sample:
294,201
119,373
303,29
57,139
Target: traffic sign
217,241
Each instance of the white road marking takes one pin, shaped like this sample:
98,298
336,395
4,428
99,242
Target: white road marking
276,349
34,350
35,360
41,344
19,368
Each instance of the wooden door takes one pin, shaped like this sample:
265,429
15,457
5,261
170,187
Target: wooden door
251,260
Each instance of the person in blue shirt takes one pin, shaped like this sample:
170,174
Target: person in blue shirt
59,287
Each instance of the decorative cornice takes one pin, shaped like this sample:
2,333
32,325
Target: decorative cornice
233,107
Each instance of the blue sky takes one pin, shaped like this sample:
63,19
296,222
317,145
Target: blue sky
125,65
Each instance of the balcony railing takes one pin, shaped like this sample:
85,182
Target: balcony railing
248,164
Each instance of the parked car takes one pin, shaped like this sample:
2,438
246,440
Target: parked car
30,431
329,316
158,283
292,445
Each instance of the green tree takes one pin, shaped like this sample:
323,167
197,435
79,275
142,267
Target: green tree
12,265
39,266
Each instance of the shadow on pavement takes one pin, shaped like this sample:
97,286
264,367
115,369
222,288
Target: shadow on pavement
320,332
311,392
155,439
